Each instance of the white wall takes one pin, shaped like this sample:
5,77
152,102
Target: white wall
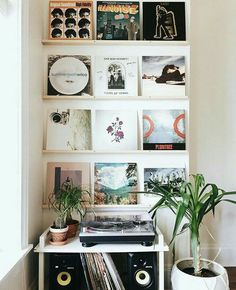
24,275
212,113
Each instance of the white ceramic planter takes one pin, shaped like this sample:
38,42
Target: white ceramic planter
183,281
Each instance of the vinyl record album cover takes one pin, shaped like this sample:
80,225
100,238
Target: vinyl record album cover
164,21
164,130
118,20
78,173
117,130
163,76
114,183
68,129
169,177
70,20
116,76
69,75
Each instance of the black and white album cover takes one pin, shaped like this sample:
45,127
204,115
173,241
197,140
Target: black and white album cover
70,19
164,21
69,75
116,76
164,177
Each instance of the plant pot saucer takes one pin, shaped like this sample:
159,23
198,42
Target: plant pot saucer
58,243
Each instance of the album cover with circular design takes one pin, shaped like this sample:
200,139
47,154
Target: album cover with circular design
69,75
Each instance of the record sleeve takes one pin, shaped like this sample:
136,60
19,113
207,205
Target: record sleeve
113,272
117,130
71,20
115,183
118,20
163,76
69,75
116,76
68,129
165,177
164,130
164,21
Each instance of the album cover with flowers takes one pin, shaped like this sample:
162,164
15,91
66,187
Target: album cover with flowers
117,130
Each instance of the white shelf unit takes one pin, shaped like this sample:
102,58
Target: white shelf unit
74,246
144,157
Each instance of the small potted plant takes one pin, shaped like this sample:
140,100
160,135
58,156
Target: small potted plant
59,228
71,198
193,200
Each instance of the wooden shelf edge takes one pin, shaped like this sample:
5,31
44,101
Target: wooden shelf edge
112,42
130,98
116,152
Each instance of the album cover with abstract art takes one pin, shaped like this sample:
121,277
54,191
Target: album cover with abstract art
163,76
114,183
116,76
164,130
70,20
169,177
164,21
116,130
68,129
118,20
69,75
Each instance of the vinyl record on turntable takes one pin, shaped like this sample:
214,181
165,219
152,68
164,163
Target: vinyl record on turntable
68,75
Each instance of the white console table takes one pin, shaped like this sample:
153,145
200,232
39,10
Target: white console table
74,246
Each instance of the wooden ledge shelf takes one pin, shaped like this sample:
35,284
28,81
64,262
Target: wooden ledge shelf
116,152
129,98
113,42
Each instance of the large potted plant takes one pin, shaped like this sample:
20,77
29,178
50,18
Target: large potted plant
67,199
190,202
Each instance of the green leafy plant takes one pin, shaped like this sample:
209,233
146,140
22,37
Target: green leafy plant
67,199
193,200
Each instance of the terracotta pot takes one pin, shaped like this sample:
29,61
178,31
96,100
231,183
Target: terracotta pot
183,281
58,235
72,228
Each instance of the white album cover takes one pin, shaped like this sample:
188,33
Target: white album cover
116,130
68,129
116,76
69,75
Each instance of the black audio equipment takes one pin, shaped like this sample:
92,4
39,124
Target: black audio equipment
142,271
65,272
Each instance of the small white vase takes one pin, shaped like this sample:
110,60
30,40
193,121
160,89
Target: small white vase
183,281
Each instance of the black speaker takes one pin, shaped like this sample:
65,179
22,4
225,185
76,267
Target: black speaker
142,271
65,272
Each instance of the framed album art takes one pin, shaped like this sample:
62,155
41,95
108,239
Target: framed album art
117,130
118,20
163,76
71,20
170,177
114,183
68,130
58,172
116,76
164,130
69,75
164,21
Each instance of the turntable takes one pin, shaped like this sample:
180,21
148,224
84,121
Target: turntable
110,227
